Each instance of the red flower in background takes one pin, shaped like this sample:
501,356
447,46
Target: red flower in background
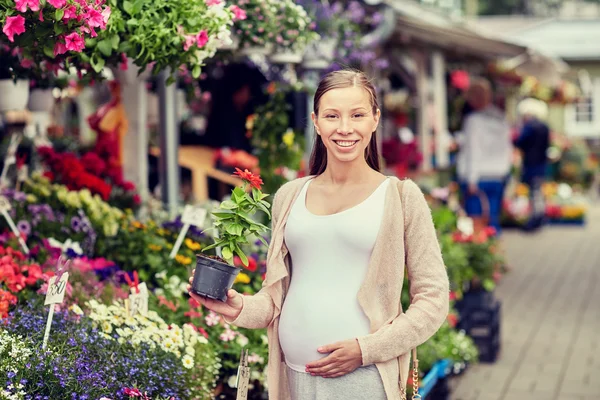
252,265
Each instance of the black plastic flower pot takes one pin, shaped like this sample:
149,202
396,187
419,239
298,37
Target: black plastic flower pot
213,278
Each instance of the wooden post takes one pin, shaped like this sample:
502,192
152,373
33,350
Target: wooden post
423,123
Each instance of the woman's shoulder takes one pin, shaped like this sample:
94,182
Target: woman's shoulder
291,187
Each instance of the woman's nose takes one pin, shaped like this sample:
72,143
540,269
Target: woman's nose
344,127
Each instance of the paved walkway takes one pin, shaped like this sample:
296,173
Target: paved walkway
550,319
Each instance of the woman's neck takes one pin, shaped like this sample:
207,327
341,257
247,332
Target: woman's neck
340,173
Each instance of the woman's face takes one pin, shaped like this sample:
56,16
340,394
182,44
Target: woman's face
346,123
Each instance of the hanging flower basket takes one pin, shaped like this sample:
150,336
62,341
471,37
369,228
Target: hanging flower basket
13,95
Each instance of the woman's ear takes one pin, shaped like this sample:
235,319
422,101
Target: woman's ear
377,116
313,116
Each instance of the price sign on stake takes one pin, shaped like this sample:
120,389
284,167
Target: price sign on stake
11,156
57,287
191,216
4,209
138,302
243,377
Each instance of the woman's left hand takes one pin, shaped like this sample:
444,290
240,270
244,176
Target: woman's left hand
344,357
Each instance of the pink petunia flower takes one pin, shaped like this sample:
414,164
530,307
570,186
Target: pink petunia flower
190,40
238,13
59,48
41,17
26,63
228,335
57,3
22,5
74,42
211,3
94,19
70,13
13,26
106,15
202,38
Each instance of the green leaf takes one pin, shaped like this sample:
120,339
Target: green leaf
210,247
262,240
97,63
196,72
229,205
124,47
59,14
115,40
226,252
128,7
59,28
132,22
235,229
241,255
49,51
489,285
265,203
224,215
263,208
105,46
256,194
137,6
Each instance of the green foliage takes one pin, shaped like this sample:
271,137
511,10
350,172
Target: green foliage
235,224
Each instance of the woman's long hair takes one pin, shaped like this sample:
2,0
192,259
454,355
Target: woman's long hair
340,80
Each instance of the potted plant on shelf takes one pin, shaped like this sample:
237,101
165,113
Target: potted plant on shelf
233,224
54,30
164,34
256,32
292,35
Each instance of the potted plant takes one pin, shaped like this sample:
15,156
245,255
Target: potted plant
292,34
234,224
256,32
164,34
54,30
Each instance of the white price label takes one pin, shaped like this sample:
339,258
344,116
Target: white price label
193,216
56,290
138,302
4,204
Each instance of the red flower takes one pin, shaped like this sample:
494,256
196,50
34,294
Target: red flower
6,300
249,177
452,320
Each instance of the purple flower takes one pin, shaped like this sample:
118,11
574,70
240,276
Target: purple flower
76,224
24,227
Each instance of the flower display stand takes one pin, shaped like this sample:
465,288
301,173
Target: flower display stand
480,317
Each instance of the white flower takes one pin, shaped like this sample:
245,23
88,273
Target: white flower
188,361
232,381
242,340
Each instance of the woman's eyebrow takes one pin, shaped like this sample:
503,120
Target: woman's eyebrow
352,109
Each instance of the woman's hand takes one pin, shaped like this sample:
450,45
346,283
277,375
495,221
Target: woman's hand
230,309
344,358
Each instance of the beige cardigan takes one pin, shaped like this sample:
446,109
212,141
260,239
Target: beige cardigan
406,237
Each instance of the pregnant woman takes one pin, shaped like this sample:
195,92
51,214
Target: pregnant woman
341,241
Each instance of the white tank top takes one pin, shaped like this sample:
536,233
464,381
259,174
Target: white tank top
330,255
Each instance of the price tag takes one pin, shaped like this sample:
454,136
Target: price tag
465,225
243,377
194,216
191,216
57,289
23,173
138,302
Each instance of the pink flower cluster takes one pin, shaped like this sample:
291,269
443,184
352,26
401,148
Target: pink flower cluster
89,15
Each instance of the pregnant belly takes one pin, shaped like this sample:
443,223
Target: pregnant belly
306,325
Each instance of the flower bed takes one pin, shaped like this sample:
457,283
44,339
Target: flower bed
106,244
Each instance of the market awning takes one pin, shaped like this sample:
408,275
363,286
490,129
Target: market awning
420,26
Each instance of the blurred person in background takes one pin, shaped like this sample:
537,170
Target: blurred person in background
533,141
484,160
